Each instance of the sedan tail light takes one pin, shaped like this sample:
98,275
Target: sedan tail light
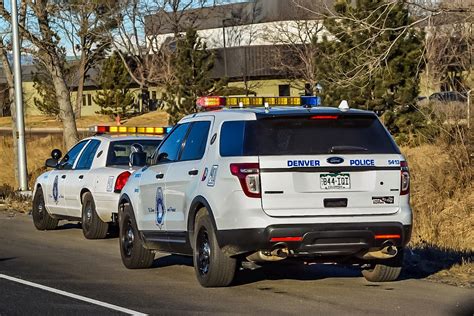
121,181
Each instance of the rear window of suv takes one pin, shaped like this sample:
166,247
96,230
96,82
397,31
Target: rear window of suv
305,135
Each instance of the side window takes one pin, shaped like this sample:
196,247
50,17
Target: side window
232,139
196,141
68,160
171,146
87,156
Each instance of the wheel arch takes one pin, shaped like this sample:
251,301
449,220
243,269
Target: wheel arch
40,186
35,189
83,191
196,205
124,199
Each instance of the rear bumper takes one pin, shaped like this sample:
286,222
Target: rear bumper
106,205
341,239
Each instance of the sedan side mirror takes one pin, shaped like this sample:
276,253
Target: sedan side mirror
51,163
138,159
56,154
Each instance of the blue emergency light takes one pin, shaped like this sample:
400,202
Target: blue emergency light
310,101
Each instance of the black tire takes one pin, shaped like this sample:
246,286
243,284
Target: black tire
213,268
92,226
134,254
385,270
41,217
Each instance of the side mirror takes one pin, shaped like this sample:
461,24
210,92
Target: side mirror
138,159
51,163
56,154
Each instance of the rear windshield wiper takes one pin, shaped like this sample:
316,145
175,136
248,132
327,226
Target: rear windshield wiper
346,149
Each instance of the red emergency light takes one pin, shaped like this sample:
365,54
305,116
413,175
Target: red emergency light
211,102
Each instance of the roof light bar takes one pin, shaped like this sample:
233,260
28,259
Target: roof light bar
102,129
216,102
211,102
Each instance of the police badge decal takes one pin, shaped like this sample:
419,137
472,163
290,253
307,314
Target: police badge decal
160,208
55,189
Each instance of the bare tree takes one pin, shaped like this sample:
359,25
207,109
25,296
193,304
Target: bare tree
240,30
423,13
296,50
84,25
449,50
7,70
38,28
140,39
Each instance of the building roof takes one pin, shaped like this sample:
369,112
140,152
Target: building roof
27,72
252,12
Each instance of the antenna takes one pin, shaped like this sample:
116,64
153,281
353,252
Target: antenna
344,106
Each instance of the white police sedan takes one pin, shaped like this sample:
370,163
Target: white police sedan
85,184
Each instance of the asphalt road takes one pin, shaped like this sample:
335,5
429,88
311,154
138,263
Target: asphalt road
63,260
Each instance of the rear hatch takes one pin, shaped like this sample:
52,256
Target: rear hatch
327,165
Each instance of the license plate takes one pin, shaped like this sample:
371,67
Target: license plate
331,181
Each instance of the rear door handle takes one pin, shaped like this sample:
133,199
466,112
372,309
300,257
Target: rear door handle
193,172
81,176
160,175
63,176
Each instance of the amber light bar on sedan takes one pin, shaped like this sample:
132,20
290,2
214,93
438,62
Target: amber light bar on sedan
104,129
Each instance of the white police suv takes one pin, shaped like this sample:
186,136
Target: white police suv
85,184
259,184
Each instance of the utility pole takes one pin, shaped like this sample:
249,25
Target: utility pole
22,168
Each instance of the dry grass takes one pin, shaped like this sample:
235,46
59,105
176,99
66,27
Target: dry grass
155,119
459,274
38,150
13,201
48,121
442,198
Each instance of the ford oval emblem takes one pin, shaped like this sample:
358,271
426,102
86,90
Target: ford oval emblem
335,160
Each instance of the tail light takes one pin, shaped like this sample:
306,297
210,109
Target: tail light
405,178
249,177
121,181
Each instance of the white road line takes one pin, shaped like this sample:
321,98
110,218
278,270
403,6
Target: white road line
74,296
